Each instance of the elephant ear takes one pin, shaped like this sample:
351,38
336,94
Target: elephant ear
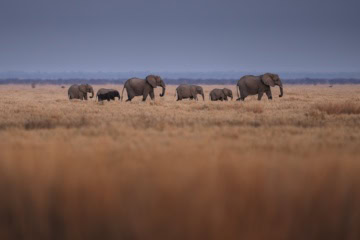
151,80
82,88
267,80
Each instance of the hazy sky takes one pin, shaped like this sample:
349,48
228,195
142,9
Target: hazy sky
183,35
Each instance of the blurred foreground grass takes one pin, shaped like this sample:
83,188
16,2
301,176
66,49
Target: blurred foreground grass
281,169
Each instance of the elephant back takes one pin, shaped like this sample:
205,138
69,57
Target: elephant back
137,85
72,87
102,91
183,89
73,90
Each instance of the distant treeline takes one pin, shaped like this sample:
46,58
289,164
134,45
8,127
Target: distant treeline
311,81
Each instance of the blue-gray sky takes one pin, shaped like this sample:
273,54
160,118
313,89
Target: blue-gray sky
183,35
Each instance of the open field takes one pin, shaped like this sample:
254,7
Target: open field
281,169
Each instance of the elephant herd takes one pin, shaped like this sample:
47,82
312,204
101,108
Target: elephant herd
247,85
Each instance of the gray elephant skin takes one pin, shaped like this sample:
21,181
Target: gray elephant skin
80,91
220,94
107,94
143,87
252,85
189,91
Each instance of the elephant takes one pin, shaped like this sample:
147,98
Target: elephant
107,94
80,91
220,94
252,85
189,91
143,87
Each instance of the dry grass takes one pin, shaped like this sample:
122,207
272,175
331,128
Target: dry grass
280,169
347,107
255,108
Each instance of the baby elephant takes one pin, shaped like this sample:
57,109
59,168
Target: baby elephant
189,91
220,94
107,94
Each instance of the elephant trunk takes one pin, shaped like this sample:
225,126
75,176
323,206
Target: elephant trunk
202,94
163,92
281,90
163,89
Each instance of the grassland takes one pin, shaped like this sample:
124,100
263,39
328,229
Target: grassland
281,169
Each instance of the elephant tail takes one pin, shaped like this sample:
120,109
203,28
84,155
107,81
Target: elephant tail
122,93
175,93
237,90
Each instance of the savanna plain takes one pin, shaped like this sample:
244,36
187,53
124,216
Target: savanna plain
281,169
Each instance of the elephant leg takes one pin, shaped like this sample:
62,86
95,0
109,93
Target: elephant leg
241,99
179,97
130,93
146,93
260,94
151,93
85,96
268,94
243,95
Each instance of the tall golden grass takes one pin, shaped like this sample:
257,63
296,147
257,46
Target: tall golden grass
281,169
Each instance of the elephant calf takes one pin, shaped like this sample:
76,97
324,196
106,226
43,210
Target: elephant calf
189,91
220,94
107,94
80,91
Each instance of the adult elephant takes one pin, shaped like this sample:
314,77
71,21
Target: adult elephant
143,87
107,94
252,85
220,94
189,91
80,91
